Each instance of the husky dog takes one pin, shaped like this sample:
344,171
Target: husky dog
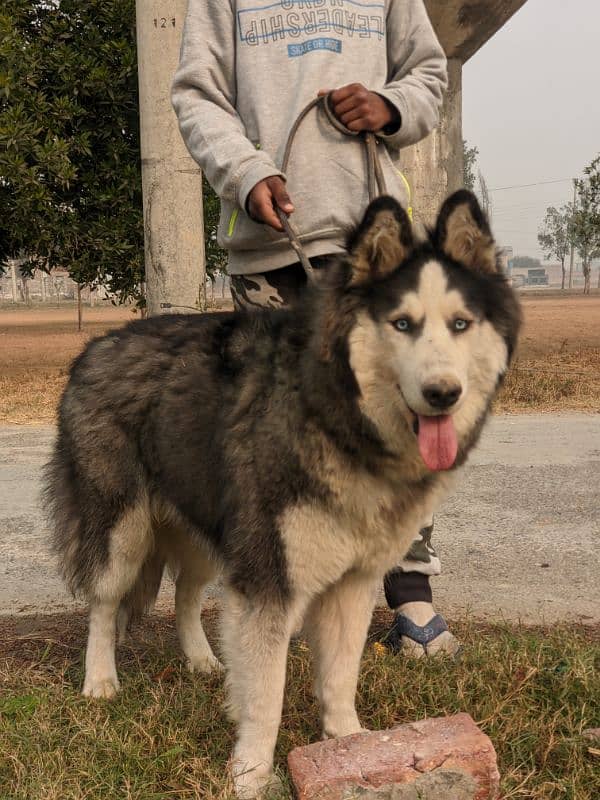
296,452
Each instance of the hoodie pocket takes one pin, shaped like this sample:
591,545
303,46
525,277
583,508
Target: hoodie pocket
237,231
409,208
231,224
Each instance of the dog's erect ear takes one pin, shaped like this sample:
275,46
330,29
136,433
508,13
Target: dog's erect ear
381,242
462,232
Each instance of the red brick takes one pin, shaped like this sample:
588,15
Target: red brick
412,753
593,734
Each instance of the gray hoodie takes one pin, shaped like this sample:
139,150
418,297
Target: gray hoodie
247,69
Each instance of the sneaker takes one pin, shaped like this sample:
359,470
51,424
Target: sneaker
418,640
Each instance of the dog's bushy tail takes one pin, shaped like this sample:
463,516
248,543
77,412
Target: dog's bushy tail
76,563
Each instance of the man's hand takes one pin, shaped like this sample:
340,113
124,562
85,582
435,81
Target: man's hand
267,195
361,110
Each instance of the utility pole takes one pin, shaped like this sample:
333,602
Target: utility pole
572,241
171,179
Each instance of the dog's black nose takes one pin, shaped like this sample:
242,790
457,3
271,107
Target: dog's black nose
442,395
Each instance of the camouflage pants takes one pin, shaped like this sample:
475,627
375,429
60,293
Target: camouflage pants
280,288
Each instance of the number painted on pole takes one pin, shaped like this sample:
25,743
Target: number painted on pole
164,22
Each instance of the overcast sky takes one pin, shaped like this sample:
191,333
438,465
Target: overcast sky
531,104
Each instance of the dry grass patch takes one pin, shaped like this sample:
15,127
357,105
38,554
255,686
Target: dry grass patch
533,691
30,396
560,381
557,366
37,346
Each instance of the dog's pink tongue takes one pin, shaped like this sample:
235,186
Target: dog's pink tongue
438,444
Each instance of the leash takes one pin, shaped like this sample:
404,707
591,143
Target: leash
375,179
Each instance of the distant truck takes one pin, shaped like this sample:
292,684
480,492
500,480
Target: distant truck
534,277
537,277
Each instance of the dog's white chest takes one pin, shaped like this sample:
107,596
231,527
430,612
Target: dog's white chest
320,546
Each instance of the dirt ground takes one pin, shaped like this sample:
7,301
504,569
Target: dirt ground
553,323
36,348
557,367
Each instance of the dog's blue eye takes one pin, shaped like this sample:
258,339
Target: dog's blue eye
460,325
401,324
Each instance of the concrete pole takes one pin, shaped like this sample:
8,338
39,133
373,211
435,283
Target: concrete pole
42,285
434,166
171,180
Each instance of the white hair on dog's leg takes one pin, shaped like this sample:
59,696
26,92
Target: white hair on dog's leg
100,668
255,644
337,626
130,541
189,594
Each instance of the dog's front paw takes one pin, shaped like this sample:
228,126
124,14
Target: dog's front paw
205,664
105,688
336,727
256,781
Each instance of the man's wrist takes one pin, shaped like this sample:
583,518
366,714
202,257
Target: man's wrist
395,123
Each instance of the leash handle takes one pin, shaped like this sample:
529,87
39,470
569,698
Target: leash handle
294,239
375,178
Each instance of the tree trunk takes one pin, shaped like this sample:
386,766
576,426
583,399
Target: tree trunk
564,275
13,277
79,307
586,278
24,289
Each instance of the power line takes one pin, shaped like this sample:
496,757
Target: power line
514,230
527,185
516,210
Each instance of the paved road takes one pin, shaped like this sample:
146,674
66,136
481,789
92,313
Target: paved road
519,539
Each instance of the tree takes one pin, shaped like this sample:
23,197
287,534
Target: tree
484,196
216,257
70,180
592,173
586,219
555,235
469,160
70,185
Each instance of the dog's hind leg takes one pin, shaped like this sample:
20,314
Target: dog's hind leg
255,638
142,595
100,667
336,626
130,542
194,575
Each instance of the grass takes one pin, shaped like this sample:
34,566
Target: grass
563,381
533,691
31,396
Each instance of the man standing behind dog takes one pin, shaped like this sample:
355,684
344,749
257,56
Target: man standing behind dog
247,69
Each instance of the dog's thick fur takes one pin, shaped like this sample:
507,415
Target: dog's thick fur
278,448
